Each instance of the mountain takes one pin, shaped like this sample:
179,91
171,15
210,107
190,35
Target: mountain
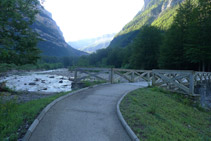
53,43
93,44
158,13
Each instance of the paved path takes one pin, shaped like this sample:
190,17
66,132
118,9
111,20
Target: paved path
87,116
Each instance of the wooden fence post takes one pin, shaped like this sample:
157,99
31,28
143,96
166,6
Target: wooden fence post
132,77
153,78
148,78
75,76
191,83
111,75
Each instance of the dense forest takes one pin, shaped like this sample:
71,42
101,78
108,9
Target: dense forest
184,45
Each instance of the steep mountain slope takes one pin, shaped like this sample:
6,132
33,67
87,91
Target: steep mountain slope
159,13
53,43
93,44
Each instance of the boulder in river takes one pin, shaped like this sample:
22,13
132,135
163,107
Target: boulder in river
32,83
36,79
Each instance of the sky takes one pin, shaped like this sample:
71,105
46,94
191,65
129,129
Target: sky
84,19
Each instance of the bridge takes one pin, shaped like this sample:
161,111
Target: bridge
181,81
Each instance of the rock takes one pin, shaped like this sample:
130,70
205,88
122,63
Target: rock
45,88
43,81
25,84
32,83
36,79
51,77
71,79
61,81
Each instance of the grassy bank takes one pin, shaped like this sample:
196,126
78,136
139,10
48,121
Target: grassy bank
17,117
154,114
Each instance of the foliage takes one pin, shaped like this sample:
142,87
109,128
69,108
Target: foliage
165,20
17,40
154,114
146,48
198,46
187,44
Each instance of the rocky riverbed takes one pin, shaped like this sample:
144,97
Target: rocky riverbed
36,84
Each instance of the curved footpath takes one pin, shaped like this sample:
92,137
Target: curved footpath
89,115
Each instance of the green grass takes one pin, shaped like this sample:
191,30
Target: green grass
15,116
154,114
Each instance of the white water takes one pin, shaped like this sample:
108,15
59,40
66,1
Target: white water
43,82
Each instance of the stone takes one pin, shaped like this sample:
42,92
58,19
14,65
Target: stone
61,81
51,77
71,79
32,83
36,79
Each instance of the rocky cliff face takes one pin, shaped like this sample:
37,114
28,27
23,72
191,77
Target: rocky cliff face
53,43
170,3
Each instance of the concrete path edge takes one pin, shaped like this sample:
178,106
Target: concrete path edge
123,122
49,106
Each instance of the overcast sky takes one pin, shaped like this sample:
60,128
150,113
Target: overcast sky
82,19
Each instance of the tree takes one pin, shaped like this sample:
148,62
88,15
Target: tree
187,43
17,40
172,52
146,48
198,46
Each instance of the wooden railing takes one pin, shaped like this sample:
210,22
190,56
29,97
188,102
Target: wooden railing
200,77
112,75
174,80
